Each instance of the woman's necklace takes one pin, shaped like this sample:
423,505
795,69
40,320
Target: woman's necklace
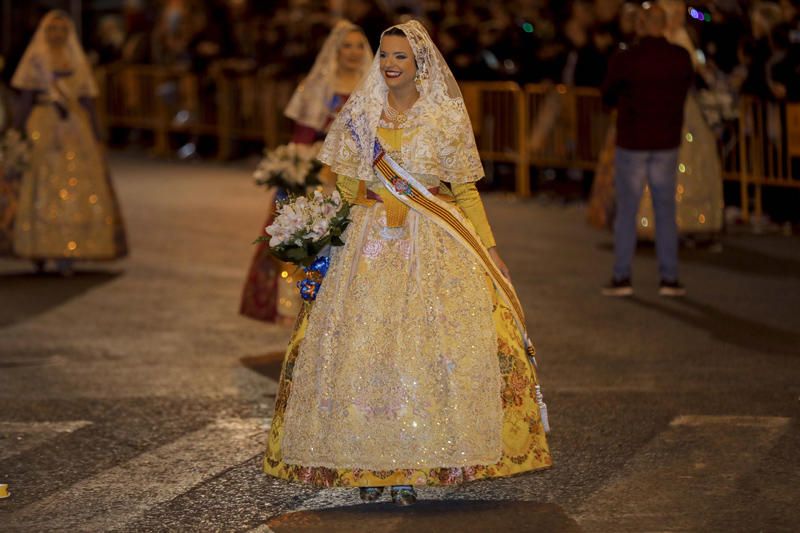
392,114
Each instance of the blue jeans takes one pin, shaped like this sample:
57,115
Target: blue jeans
632,169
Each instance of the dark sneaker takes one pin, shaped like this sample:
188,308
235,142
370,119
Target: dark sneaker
404,495
671,289
370,494
618,287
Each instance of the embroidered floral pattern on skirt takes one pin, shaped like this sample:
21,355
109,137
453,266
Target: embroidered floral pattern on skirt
407,370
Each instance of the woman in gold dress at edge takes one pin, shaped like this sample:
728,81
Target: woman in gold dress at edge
699,193
67,207
408,369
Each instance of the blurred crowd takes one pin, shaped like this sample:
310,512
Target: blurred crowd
751,47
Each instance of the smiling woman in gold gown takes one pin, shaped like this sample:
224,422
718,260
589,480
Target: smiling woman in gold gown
67,207
409,369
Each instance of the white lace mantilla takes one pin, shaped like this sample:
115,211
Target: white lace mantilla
310,102
445,145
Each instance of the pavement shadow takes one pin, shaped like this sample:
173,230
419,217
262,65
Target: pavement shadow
26,295
727,327
268,365
744,260
431,516
732,258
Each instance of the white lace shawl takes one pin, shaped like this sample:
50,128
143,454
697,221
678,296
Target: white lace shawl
310,102
36,73
444,146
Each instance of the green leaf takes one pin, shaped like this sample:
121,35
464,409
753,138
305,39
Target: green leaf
296,254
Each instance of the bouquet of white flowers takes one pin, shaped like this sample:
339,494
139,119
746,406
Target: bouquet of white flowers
305,225
14,152
292,167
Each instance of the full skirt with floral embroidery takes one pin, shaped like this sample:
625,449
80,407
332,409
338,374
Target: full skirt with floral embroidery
407,369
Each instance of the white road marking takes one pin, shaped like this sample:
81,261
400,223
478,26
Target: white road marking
117,496
682,475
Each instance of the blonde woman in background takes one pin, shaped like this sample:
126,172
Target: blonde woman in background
337,70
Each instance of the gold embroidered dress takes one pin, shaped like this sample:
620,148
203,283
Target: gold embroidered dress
407,369
67,206
698,194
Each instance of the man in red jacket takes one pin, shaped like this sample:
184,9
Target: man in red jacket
647,83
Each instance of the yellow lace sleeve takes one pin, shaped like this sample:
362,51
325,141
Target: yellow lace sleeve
348,187
469,200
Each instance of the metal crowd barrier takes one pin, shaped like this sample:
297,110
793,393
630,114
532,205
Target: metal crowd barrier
768,149
251,108
498,120
552,126
567,126
157,99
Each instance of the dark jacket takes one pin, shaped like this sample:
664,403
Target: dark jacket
647,83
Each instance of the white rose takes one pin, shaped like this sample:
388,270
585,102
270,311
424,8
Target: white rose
329,210
320,227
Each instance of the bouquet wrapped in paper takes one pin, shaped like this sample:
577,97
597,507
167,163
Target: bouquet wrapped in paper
303,229
291,167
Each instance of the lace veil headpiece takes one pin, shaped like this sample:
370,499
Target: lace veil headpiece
309,103
36,72
676,31
445,147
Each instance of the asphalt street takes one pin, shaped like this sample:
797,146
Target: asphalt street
134,398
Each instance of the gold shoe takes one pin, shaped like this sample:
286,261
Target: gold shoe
404,495
370,494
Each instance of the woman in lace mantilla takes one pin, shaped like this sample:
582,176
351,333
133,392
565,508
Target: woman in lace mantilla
408,369
340,65
67,207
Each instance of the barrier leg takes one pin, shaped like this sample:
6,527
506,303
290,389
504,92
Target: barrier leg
523,187
224,119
